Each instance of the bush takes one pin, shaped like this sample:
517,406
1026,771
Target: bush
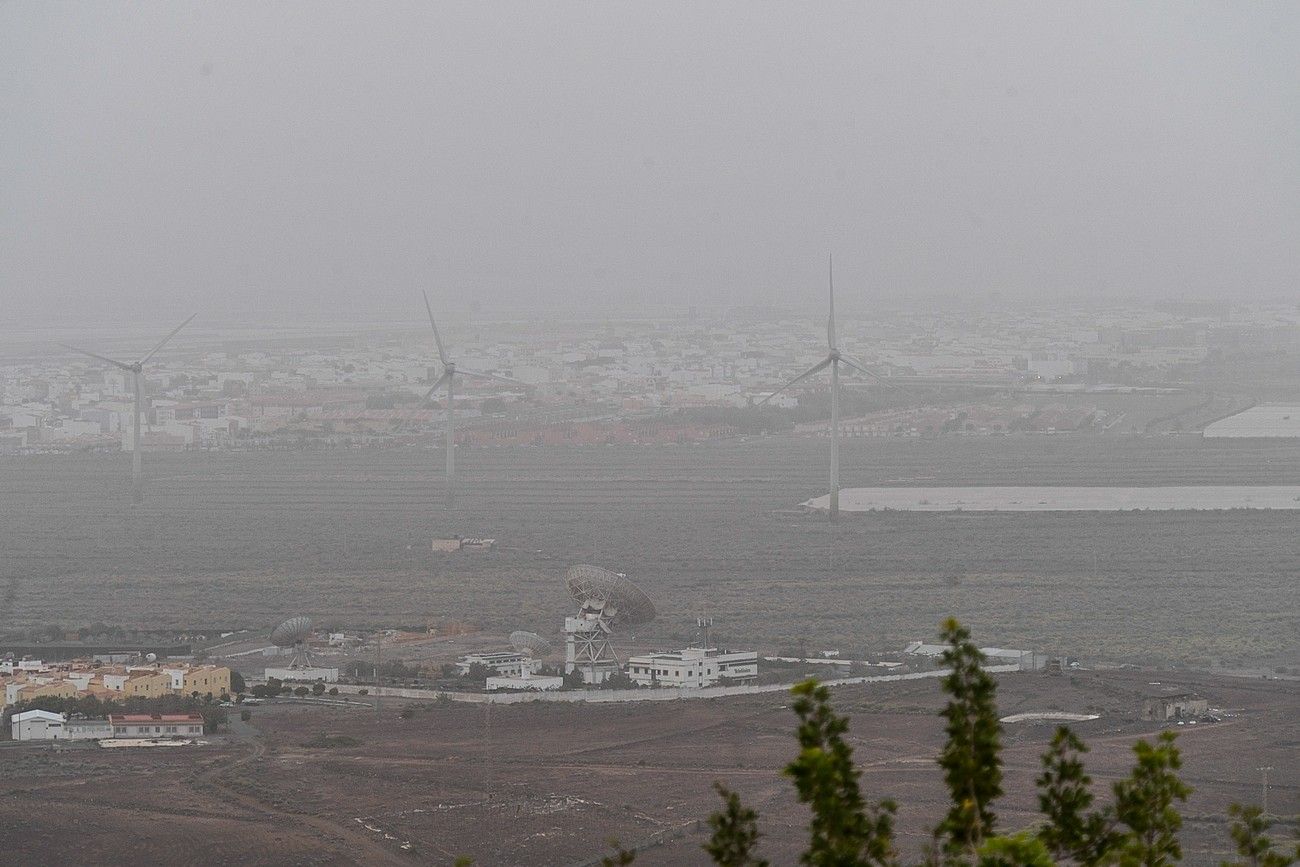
301,691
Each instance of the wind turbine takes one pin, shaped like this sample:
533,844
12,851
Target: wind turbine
833,360
449,373
135,369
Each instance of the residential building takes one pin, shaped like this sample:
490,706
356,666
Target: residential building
206,680
31,679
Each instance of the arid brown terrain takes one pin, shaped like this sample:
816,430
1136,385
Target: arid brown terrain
551,783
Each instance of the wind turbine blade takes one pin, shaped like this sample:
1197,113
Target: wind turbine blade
862,368
439,384
830,321
817,368
474,374
112,361
442,353
163,342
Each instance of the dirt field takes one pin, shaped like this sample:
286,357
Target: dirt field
246,539
550,783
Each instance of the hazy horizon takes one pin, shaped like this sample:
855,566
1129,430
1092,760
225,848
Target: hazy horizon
303,161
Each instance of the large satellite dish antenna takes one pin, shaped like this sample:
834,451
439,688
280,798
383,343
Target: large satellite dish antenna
294,634
612,593
605,599
530,643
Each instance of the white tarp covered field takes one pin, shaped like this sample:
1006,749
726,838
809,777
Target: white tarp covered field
1064,499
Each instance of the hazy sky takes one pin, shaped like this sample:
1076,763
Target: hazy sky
331,159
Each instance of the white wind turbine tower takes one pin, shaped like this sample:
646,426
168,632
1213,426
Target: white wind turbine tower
135,369
833,360
449,373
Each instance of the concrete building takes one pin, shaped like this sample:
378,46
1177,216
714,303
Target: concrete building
1174,706
88,729
303,675
37,725
693,667
1028,660
504,663
157,725
526,681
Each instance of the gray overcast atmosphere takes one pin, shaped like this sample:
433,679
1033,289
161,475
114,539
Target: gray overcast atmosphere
328,160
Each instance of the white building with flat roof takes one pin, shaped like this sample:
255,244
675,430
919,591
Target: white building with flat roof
540,682
693,667
37,725
503,663
303,675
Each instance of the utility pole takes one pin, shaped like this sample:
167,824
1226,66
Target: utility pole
1264,795
379,662
487,748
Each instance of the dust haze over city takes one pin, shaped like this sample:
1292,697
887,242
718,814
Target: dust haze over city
457,428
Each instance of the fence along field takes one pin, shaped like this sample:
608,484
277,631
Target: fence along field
243,538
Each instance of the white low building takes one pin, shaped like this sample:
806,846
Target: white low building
527,681
504,663
37,725
88,729
304,675
693,667
157,725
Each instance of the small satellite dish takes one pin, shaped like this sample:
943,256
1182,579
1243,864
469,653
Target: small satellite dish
529,642
151,657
